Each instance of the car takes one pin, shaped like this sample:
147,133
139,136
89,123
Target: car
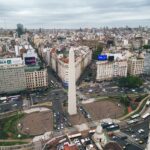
114,137
82,141
87,139
69,124
88,116
90,90
145,137
141,142
132,121
140,131
62,126
124,137
133,135
80,108
136,139
127,144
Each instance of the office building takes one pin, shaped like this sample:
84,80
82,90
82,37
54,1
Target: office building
106,70
12,75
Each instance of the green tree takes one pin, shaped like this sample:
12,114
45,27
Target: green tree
130,82
125,101
97,52
146,46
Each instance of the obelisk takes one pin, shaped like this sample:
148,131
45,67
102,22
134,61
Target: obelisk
72,108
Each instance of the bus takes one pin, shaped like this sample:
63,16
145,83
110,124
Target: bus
145,115
135,116
148,103
113,128
106,124
132,121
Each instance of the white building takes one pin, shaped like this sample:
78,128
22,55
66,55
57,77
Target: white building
106,70
12,75
135,66
36,79
59,63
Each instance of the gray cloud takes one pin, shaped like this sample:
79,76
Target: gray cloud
74,13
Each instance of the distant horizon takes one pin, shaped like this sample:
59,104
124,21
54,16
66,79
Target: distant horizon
102,27
74,14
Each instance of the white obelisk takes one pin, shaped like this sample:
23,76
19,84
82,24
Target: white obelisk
72,108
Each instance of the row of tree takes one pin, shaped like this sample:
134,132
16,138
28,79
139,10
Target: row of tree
130,82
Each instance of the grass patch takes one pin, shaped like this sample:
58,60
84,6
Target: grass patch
125,111
141,107
12,143
8,127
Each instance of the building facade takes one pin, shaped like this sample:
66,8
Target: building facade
60,64
36,79
106,70
12,78
147,64
135,66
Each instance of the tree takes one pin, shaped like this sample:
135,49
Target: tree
130,82
97,52
146,46
125,101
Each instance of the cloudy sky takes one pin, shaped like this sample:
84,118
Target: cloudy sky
74,13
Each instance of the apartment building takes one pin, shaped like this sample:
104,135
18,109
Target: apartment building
106,70
59,63
135,66
36,79
12,75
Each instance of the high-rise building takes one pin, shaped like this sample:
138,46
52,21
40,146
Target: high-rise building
12,75
72,108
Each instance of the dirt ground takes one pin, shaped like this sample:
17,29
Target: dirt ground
104,109
77,119
36,123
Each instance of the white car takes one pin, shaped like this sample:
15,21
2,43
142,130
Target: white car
82,141
133,135
137,139
140,131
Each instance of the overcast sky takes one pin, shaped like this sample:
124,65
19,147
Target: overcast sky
74,13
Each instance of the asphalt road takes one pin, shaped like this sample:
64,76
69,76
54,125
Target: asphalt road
134,137
11,105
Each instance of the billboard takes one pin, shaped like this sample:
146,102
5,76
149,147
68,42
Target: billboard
102,57
110,58
10,61
30,60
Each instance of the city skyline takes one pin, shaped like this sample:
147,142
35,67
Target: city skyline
74,14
